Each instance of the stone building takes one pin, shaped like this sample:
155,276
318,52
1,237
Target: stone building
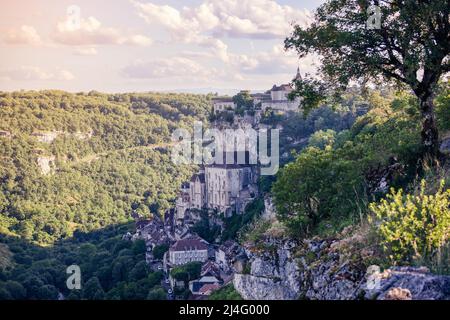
197,189
279,97
225,184
188,250
223,104
183,201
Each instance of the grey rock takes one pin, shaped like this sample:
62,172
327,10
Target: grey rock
422,284
445,146
281,276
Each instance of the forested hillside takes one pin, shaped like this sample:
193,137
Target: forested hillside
345,180
84,161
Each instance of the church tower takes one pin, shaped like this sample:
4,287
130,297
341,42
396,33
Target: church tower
298,76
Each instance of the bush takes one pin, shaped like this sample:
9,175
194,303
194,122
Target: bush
227,292
238,222
189,271
158,251
318,185
157,294
414,228
443,107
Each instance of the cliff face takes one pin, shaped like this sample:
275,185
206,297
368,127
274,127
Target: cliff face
323,270
274,275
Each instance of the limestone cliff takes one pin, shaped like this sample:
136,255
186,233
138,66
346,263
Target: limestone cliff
331,270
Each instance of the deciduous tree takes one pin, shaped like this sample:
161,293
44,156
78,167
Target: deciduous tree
411,46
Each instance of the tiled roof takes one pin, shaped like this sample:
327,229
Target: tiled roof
210,268
142,223
227,246
283,87
188,244
208,288
223,99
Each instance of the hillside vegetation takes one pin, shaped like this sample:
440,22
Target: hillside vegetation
343,179
84,161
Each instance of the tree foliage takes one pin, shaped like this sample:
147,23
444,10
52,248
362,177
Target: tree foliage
326,189
103,167
414,228
413,36
110,268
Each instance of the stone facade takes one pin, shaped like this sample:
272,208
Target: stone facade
223,104
279,98
224,184
225,188
188,250
197,190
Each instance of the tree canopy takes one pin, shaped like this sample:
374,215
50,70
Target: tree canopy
411,47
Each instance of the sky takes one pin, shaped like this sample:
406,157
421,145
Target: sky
150,45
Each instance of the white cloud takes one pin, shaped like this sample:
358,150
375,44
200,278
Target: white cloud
175,67
276,60
24,35
86,51
91,32
64,75
139,40
35,73
207,23
234,18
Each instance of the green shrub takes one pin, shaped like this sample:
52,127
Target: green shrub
414,228
443,106
238,222
227,292
158,251
318,185
187,272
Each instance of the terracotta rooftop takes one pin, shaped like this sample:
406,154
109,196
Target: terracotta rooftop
208,288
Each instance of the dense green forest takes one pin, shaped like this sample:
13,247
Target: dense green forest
110,159
112,268
84,161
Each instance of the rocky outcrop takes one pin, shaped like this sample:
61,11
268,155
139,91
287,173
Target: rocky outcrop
46,137
260,288
406,283
50,136
5,134
273,274
445,144
323,270
46,164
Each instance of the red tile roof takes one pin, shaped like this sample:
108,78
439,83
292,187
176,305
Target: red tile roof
208,288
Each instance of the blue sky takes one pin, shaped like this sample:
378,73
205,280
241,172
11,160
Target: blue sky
149,45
